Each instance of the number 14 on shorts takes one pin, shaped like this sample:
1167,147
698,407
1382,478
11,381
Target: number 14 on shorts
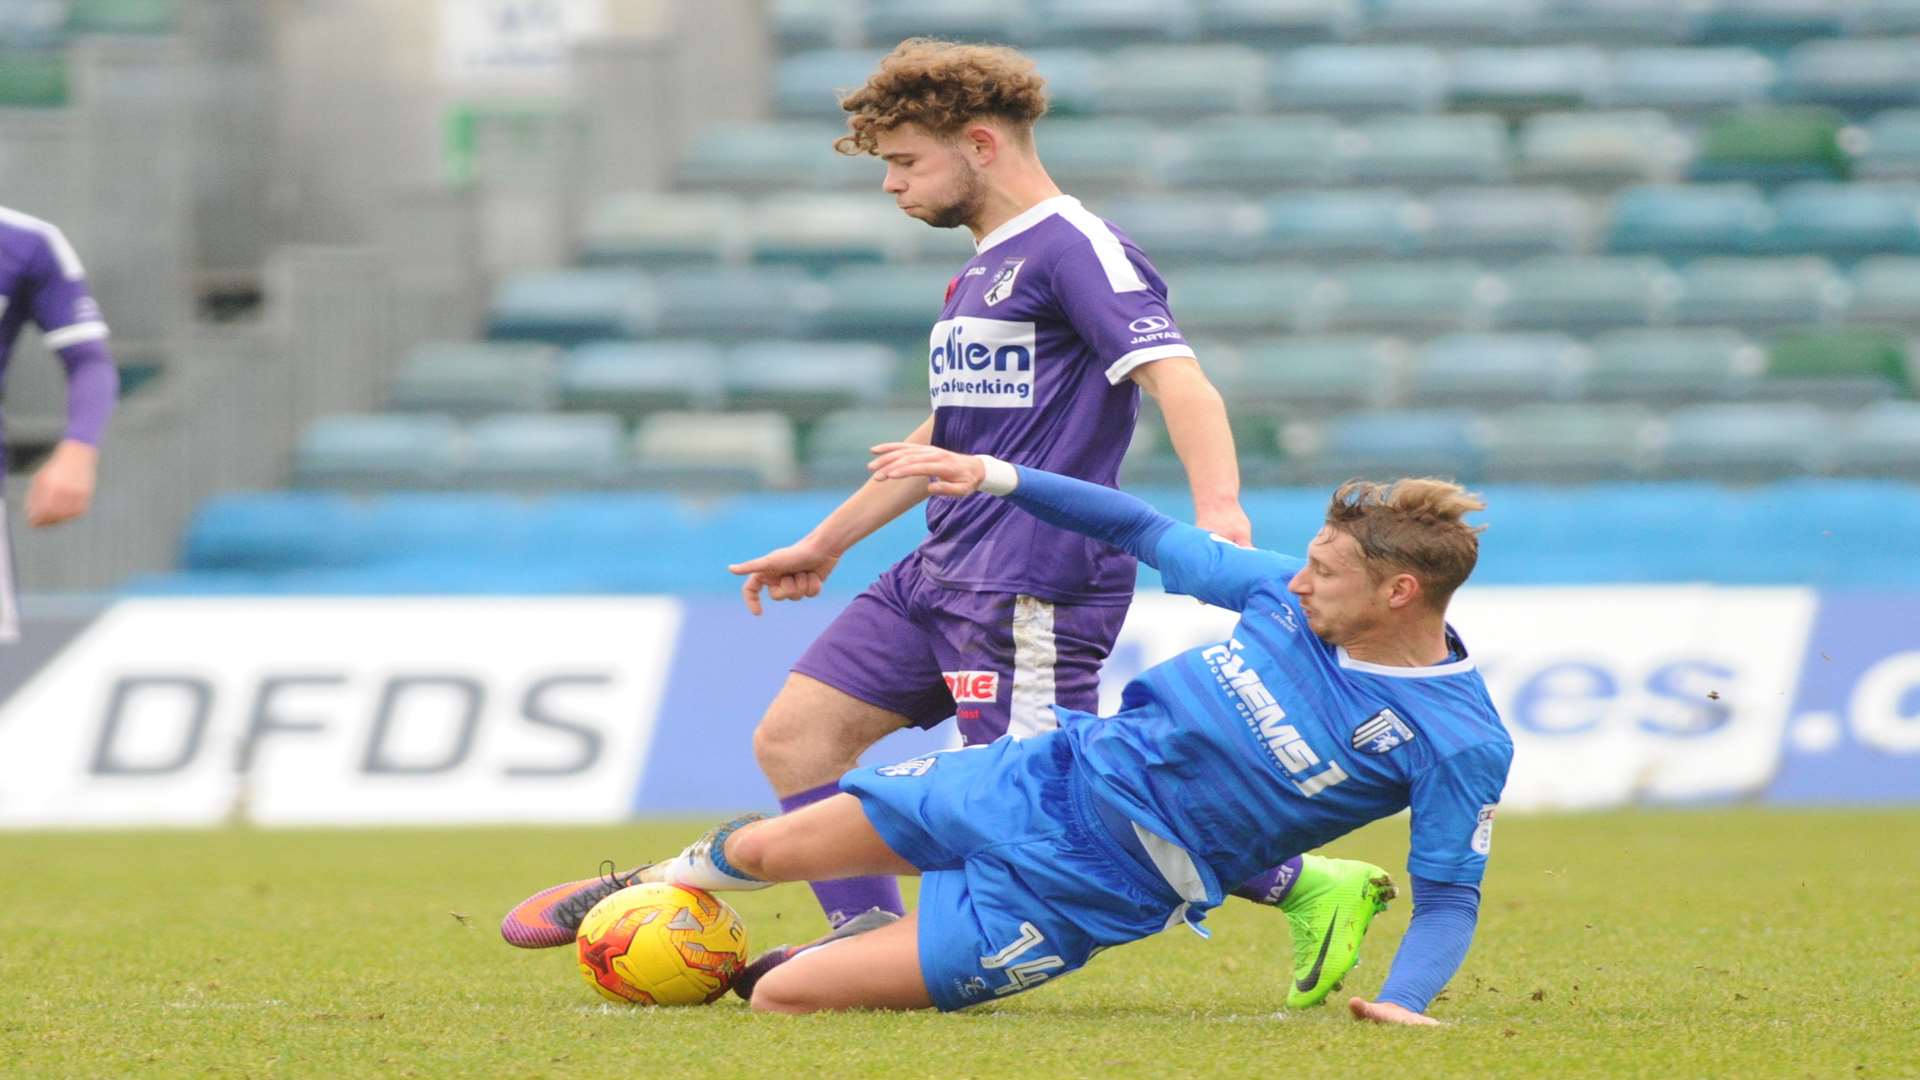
1022,974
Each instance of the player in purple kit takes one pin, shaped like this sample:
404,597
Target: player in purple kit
1046,339
41,278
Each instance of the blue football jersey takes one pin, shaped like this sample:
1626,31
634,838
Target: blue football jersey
1272,743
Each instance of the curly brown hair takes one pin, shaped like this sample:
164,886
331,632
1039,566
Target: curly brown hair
941,86
1413,525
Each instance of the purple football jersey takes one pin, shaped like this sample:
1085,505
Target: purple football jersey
41,277
1029,363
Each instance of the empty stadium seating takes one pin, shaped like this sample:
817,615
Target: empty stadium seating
1531,240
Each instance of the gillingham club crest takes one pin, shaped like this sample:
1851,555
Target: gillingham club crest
1382,732
1001,286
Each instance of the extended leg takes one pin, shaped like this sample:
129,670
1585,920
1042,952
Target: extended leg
826,841
879,969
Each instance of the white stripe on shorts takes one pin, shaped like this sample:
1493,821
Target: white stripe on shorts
9,612
1034,655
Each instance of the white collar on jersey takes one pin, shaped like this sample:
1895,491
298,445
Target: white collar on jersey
1026,219
1452,667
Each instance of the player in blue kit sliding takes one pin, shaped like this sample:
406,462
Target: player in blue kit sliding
1342,697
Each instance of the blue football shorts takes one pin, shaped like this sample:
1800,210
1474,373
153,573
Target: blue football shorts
1020,881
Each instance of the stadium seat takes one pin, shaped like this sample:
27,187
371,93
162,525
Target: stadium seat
1073,79
475,378
1241,299
1344,223
1391,442
1687,80
571,307
538,452
1881,440
1744,442
123,16
376,452
1172,227
1267,23
1757,292
1615,21
714,453
808,379
1464,148
1875,17
33,78
737,302
1665,367
807,86
1773,146
1358,79
897,302
1836,368
1451,20
1525,80
1568,443
1254,152
1891,147
1302,374
1581,294
1846,220
772,158
1886,290
888,21
1414,297
1099,154
810,24
1599,148
1770,23
1853,75
838,447
822,231
630,378
652,229
1490,370
1179,82
1683,222
1505,222
1112,24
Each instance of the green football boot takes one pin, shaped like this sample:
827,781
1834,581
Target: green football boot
1329,909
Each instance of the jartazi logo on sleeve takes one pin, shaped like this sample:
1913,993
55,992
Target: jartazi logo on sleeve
981,363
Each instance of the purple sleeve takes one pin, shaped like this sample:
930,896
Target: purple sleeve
1115,300
93,386
1436,942
71,323
63,306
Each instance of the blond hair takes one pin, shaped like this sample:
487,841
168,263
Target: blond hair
942,86
1413,525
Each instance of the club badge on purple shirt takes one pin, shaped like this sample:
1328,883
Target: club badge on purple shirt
1001,286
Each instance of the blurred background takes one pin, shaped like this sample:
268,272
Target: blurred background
464,342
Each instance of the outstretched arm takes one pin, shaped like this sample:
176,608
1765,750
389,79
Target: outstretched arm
796,572
1193,561
1438,936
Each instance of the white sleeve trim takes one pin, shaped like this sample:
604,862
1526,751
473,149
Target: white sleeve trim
1120,270
1001,477
74,335
1124,366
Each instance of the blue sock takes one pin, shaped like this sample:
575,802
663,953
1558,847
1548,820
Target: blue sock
846,897
1271,886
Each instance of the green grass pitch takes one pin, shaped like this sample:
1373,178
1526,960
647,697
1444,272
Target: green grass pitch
1724,943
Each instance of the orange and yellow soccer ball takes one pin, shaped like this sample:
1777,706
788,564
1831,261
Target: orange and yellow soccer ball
662,945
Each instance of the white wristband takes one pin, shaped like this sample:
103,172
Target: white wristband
1001,477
